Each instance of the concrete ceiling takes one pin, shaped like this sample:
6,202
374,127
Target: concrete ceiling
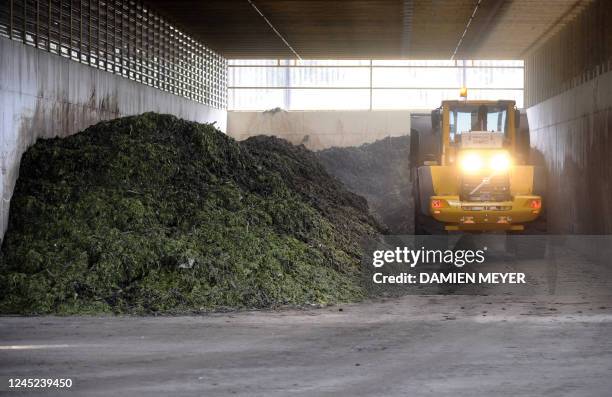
364,29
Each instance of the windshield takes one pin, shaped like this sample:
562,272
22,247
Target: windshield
477,118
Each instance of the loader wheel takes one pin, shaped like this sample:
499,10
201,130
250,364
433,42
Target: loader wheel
424,224
539,182
539,226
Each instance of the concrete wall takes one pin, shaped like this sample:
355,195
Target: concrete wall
578,49
320,129
572,135
43,95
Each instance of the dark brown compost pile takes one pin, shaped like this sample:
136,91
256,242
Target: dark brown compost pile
380,172
153,214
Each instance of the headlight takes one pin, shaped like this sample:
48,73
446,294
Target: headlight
500,162
471,163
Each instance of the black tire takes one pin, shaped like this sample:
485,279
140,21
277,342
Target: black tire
424,224
539,181
537,227
540,225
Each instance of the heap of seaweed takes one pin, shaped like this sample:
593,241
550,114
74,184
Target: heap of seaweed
380,172
153,214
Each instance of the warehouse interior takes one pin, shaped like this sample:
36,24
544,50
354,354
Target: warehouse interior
565,50
330,76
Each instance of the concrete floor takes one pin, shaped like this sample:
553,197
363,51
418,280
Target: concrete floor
549,337
415,345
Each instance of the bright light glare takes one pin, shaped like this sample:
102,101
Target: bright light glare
471,163
500,162
396,84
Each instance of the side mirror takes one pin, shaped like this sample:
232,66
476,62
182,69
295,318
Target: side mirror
435,120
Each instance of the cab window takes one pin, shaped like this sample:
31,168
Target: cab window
468,118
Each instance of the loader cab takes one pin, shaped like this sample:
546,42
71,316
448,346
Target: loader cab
490,119
459,124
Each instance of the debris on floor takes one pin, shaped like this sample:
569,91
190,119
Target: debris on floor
153,214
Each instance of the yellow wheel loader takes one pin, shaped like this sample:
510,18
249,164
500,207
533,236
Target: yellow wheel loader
471,172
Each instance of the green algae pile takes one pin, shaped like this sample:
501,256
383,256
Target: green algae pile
380,172
153,214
